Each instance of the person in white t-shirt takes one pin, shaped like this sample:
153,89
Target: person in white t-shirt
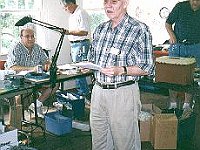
79,37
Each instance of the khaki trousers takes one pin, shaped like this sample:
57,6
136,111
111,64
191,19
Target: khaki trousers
114,118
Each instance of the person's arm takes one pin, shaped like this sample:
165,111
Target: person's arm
23,68
170,21
171,33
130,70
78,33
73,32
18,68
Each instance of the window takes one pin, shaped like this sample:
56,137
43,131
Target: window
10,12
95,11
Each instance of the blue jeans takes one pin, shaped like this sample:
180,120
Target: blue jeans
181,50
79,53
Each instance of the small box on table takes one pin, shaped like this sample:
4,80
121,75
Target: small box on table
57,124
176,70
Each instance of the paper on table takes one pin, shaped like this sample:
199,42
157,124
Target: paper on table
3,73
87,65
24,72
66,67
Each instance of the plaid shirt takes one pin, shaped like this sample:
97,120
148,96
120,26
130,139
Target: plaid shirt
19,55
128,44
186,22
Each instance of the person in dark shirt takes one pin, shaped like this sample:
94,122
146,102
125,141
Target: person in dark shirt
183,26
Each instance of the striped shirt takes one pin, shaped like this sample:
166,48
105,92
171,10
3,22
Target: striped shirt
20,55
128,44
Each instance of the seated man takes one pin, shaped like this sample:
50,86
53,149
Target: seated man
25,56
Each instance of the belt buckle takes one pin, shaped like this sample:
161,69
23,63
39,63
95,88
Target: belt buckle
115,85
107,86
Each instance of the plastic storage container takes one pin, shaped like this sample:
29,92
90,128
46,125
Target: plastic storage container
58,124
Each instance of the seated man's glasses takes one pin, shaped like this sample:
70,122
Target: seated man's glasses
29,36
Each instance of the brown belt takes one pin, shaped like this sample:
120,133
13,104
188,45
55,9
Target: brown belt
114,86
78,41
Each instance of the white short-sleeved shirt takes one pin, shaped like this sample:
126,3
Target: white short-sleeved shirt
79,20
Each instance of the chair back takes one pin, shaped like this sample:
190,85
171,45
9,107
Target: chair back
2,62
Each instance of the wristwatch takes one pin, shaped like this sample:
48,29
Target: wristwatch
125,70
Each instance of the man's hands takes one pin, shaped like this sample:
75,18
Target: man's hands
113,71
47,66
120,70
173,39
62,30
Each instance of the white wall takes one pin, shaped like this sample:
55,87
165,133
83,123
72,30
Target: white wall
54,14
147,11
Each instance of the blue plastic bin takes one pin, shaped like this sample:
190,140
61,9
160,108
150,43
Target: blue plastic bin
57,124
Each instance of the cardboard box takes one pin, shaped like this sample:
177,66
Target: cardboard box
15,116
8,139
164,131
145,122
175,70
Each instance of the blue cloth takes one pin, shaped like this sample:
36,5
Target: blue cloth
79,53
181,50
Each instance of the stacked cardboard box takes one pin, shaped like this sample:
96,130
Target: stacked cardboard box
164,131
176,70
16,116
145,123
160,129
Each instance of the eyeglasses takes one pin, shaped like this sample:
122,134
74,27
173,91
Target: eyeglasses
29,36
111,2
64,4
